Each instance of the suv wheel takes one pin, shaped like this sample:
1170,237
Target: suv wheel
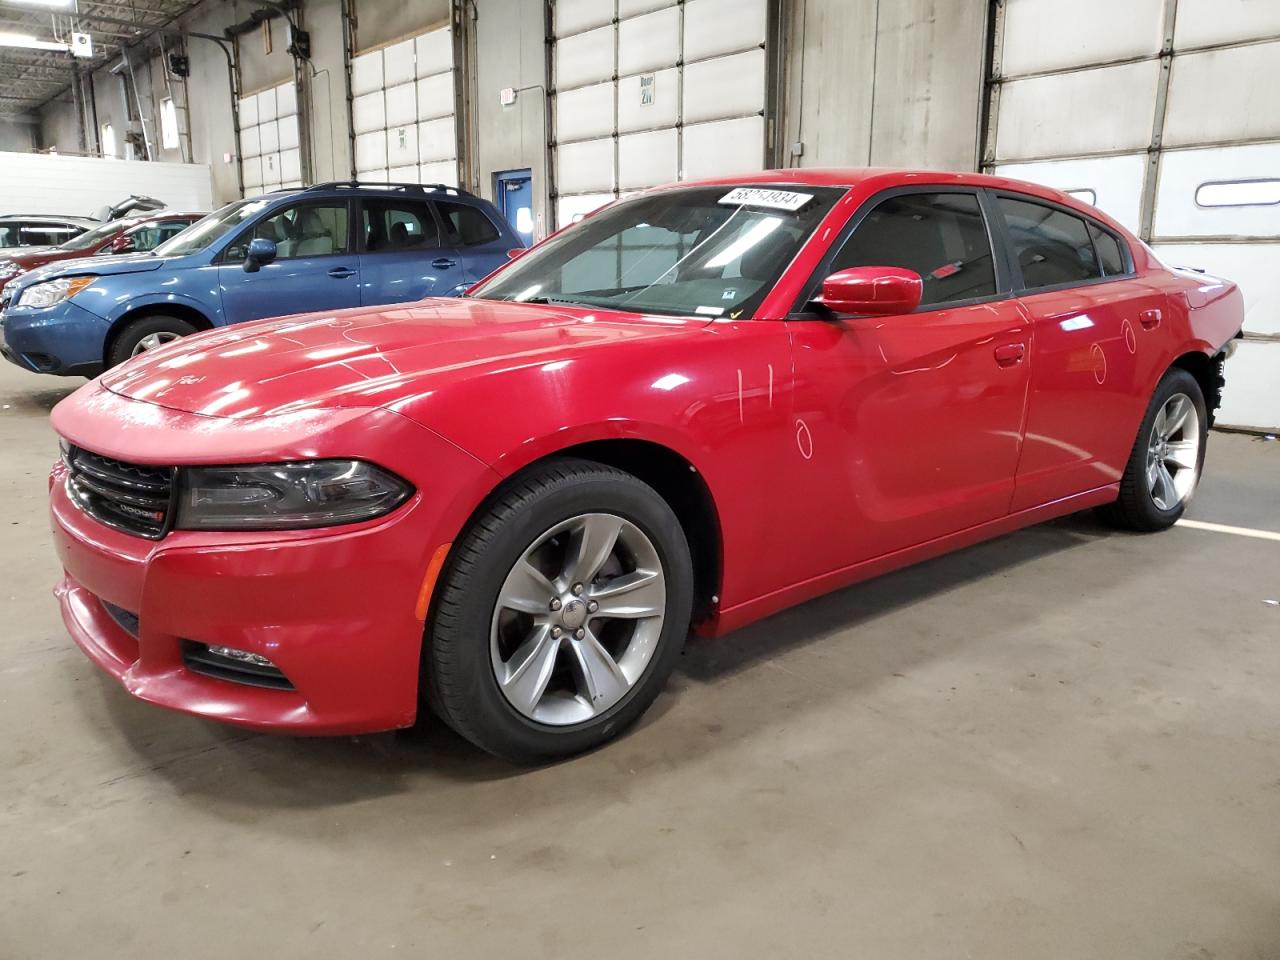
146,333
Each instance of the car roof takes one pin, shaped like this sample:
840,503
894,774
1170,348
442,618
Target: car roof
425,191
50,218
873,179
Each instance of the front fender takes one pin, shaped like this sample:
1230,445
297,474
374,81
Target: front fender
126,304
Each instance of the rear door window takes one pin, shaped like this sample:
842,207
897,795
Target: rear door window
393,226
1052,247
941,236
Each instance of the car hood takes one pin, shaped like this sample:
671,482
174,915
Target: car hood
371,357
23,254
33,257
104,266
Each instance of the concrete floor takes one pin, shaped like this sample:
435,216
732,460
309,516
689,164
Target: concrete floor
1064,743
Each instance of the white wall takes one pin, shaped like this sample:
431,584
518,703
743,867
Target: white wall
80,186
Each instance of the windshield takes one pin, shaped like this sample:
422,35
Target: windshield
200,234
92,238
709,251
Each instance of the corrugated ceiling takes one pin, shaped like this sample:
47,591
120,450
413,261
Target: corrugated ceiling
29,78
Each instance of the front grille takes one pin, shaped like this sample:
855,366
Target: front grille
200,659
130,497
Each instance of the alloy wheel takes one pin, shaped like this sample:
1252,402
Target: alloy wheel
1173,452
153,340
578,619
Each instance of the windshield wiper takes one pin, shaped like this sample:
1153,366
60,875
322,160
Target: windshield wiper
544,301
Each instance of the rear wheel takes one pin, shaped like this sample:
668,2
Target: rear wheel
1164,467
561,613
146,333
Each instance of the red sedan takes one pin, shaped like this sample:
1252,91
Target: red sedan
127,235
695,407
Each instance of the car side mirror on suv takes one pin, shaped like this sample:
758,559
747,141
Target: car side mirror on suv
123,245
261,252
871,291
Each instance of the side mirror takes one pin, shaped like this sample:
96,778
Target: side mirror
123,245
261,252
517,252
872,291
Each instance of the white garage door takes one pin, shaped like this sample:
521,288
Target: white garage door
269,154
1159,112
403,111
650,91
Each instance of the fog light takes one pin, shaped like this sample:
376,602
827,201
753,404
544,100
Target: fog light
243,656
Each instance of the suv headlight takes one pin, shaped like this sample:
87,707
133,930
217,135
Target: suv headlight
52,292
286,496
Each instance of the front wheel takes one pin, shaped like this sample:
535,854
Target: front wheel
1164,467
146,333
561,613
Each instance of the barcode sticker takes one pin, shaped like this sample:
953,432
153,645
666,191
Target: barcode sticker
772,199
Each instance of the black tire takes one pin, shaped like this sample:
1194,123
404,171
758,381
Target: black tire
1136,508
459,682
129,336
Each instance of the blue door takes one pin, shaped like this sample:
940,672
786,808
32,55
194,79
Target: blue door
314,269
514,190
405,255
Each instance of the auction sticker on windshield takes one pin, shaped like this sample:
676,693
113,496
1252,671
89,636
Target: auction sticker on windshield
772,199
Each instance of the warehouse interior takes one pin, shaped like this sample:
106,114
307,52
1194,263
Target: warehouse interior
1058,742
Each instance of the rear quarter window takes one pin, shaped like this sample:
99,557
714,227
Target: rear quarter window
469,225
1052,247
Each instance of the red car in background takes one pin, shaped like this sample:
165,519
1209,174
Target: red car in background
126,235
695,407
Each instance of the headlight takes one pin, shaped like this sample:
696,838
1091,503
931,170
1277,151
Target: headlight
286,496
52,291
9,269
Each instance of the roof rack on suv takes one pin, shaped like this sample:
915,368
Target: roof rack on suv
376,185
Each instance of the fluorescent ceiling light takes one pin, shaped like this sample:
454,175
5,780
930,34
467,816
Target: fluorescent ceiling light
28,42
41,3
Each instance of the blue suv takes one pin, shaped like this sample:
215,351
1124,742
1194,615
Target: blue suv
325,247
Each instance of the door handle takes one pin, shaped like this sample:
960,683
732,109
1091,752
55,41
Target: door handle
341,273
1150,319
443,263
1010,353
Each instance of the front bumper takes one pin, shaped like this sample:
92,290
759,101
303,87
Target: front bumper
336,609
66,340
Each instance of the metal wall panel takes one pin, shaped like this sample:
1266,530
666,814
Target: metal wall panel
437,140
648,159
268,123
630,8
1204,22
1115,182
586,167
403,111
577,16
1041,35
584,58
716,27
1223,95
1118,102
572,209
723,147
724,87
1252,397
434,52
436,96
649,42
628,93
661,109
1179,212
585,113
1251,265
